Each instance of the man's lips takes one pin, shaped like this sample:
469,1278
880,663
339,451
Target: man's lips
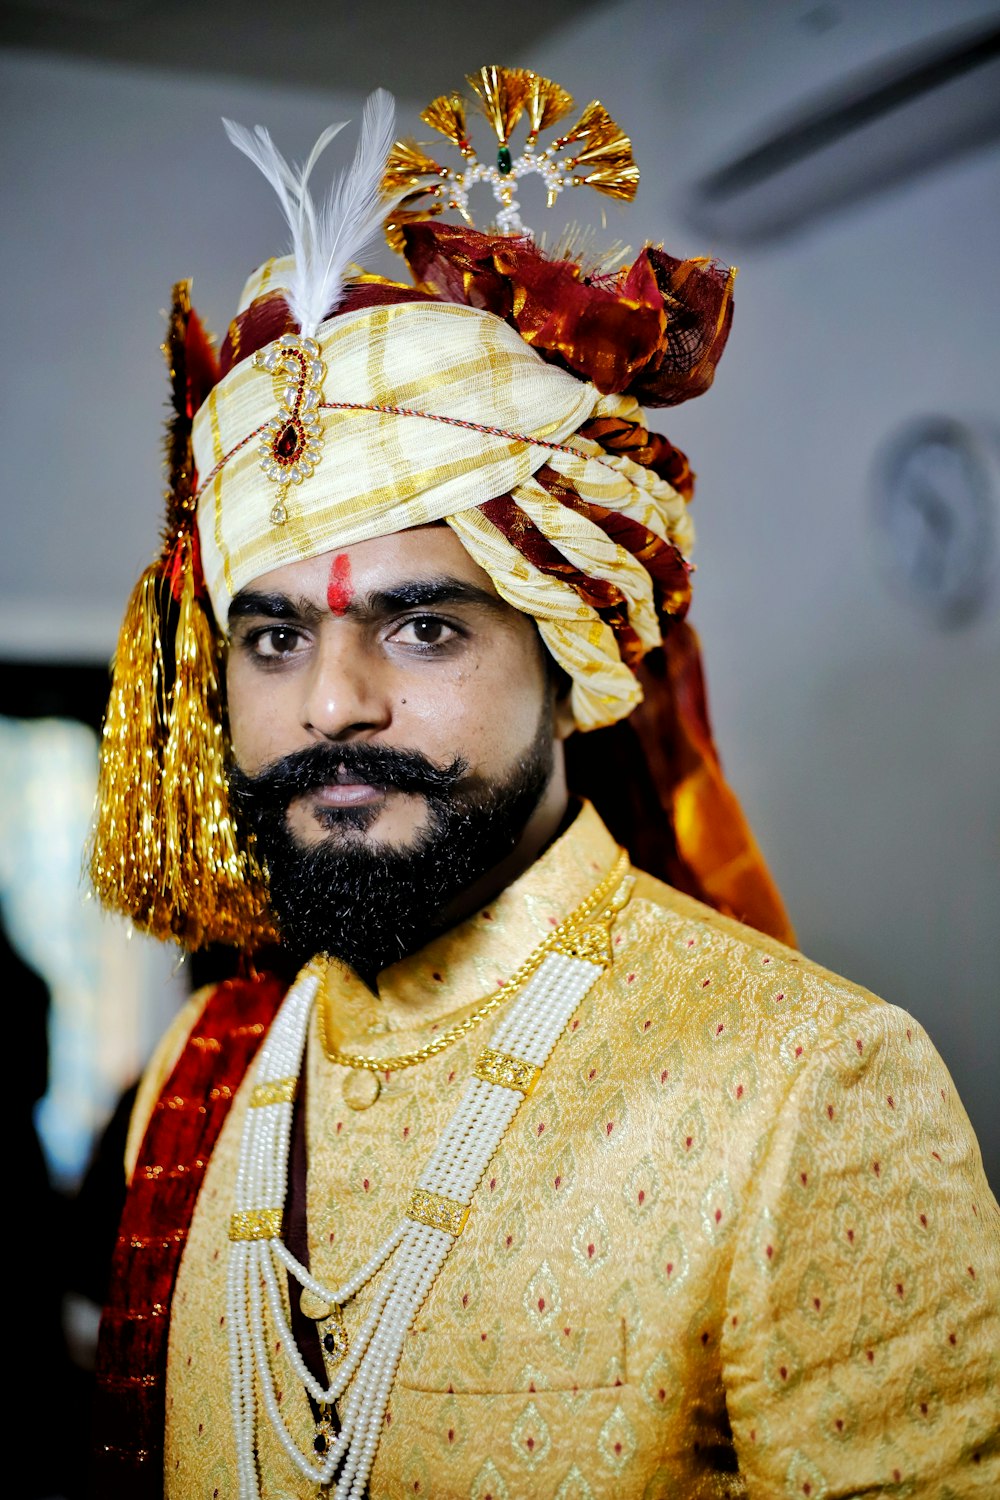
347,791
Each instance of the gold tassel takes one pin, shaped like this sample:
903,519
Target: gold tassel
165,850
126,854
446,114
607,154
215,889
502,93
407,166
612,180
546,102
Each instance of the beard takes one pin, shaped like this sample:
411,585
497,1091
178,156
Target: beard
370,904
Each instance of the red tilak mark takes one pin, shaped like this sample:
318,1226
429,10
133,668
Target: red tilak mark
339,589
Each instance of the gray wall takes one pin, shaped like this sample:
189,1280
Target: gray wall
862,740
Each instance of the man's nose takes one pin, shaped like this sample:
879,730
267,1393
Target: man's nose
345,695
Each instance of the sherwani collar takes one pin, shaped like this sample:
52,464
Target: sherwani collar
463,966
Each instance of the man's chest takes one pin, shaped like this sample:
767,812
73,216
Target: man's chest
574,1327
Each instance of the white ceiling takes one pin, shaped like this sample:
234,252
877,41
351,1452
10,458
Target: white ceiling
411,47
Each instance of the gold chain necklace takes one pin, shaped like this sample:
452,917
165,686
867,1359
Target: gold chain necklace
583,934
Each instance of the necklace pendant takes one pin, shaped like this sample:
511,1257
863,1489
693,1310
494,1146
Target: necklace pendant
326,1432
333,1336
592,940
361,1088
592,943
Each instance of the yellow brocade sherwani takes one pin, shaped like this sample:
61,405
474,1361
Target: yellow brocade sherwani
738,1242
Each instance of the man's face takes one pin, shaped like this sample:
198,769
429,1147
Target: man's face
390,717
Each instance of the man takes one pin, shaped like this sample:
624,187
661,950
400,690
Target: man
543,1178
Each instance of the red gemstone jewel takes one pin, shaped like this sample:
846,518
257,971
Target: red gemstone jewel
288,444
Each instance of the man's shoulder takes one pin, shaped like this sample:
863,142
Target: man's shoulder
722,964
718,1011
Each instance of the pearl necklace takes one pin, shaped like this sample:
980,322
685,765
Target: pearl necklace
413,1255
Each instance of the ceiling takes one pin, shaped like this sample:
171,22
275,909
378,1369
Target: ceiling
415,48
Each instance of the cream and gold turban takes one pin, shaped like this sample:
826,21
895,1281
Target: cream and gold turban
483,412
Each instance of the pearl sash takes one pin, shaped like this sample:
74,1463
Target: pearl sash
409,1260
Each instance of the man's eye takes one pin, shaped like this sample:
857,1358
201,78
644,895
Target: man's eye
277,640
425,630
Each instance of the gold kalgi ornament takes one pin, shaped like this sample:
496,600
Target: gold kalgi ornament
602,158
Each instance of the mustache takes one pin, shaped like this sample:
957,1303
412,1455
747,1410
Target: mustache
316,766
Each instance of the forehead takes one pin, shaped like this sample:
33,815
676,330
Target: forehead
424,552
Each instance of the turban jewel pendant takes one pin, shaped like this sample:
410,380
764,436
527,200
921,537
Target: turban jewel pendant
327,237
292,441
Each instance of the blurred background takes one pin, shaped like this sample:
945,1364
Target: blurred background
846,155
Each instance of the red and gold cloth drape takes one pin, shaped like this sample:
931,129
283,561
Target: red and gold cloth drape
183,1129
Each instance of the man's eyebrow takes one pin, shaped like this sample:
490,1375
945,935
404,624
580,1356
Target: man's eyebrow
272,607
422,593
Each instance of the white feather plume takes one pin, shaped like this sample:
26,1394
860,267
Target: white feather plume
328,237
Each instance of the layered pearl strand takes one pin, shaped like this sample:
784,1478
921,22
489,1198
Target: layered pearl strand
410,1259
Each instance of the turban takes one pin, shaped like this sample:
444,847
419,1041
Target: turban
431,411
502,394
